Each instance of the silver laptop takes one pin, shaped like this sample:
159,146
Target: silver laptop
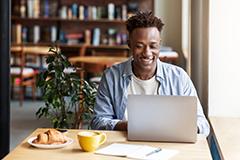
162,118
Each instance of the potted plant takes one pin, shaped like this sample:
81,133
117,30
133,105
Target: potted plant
69,100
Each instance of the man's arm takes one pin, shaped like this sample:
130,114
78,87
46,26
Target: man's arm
104,112
189,90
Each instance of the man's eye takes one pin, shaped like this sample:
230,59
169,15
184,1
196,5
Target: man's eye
139,46
155,46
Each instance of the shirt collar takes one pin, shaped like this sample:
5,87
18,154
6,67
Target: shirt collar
160,69
127,71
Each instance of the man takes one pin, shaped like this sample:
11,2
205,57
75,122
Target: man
143,73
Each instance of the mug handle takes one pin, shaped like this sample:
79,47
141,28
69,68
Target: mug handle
103,138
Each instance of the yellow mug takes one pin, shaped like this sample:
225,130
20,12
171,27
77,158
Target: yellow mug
89,141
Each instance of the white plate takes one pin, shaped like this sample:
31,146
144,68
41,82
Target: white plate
50,146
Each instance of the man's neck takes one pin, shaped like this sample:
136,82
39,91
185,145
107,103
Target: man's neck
144,75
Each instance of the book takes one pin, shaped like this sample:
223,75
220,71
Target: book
104,11
24,34
99,12
118,39
36,33
63,12
118,12
94,12
89,13
45,34
111,11
36,8
74,11
69,13
53,33
133,151
96,36
18,33
23,10
132,7
85,14
81,12
30,8
16,8
53,8
124,12
62,37
112,36
74,38
124,38
87,36
29,34
46,8
13,33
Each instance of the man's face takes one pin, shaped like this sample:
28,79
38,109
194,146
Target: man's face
144,45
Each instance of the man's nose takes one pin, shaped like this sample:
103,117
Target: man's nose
147,51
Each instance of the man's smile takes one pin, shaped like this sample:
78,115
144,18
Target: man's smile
147,60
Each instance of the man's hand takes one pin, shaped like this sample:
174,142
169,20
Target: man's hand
121,126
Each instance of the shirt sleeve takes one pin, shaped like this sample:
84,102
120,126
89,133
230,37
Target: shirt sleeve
104,113
189,89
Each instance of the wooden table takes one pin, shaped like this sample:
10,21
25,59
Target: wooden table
227,134
95,64
169,56
106,61
36,51
187,151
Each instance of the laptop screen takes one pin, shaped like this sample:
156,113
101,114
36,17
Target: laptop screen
162,118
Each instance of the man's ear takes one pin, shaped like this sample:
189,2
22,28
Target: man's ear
160,43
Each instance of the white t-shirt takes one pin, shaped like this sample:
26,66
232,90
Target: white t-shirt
146,87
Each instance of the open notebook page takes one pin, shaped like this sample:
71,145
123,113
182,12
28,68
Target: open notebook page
136,151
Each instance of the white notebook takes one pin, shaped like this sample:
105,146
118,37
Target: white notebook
136,151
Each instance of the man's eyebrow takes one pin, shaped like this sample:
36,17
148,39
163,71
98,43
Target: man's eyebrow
151,42
154,41
139,42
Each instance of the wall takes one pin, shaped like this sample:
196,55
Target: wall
186,33
224,57
199,49
170,12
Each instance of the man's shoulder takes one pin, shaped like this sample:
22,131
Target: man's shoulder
171,67
117,71
174,76
119,68
171,71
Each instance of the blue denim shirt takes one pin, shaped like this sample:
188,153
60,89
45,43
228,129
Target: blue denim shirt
113,91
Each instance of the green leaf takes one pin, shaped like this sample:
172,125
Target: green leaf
50,59
57,85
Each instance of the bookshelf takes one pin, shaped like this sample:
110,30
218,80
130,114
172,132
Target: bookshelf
71,23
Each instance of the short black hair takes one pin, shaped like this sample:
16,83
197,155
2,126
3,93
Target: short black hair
144,19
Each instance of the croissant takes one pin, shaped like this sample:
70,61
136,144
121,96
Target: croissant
42,138
56,137
52,136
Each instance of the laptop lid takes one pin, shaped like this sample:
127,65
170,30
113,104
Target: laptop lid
162,118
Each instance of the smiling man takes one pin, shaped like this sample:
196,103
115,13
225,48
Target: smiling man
143,73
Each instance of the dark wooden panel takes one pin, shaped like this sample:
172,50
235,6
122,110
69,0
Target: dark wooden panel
4,81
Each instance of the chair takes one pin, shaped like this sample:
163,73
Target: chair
95,71
21,76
